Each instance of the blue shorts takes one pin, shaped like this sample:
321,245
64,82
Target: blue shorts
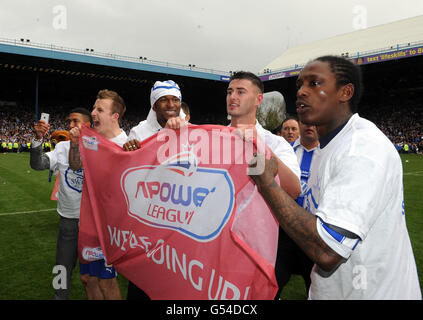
98,269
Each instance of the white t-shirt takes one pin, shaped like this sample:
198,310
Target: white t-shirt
70,184
281,148
356,184
120,139
148,127
144,130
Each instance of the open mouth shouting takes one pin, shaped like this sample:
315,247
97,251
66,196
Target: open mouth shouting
302,106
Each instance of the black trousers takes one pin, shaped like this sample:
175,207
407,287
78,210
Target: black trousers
135,293
66,252
290,260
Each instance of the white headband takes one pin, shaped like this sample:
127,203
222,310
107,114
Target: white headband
166,88
161,89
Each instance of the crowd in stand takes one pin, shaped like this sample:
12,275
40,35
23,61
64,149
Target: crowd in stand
15,129
17,122
401,122
403,125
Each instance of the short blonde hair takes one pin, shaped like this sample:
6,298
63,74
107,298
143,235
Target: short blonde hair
118,102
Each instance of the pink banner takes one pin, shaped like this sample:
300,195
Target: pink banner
179,217
53,195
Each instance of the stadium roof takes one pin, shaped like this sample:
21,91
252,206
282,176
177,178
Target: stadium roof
25,47
383,38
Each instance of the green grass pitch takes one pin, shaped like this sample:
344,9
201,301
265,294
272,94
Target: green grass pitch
29,223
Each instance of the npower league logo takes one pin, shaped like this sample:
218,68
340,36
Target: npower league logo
181,196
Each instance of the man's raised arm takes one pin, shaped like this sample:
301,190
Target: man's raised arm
74,154
37,160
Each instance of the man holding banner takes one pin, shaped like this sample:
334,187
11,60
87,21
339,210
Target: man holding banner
180,217
98,277
165,100
69,192
356,233
244,95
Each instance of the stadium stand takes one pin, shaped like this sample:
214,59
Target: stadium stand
39,78
395,38
391,58
391,99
